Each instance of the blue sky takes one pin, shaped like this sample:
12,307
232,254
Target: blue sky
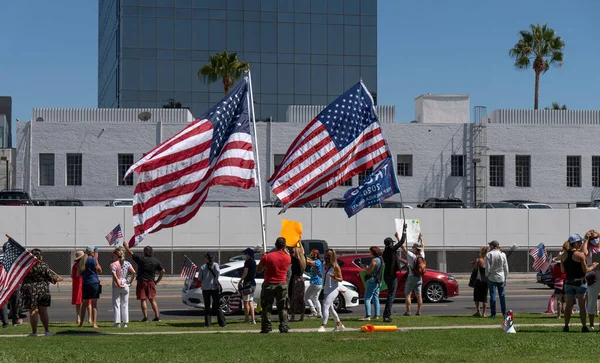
455,47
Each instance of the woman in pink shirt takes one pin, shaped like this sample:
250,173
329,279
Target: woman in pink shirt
120,270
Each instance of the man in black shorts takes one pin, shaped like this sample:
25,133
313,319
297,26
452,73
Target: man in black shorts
147,266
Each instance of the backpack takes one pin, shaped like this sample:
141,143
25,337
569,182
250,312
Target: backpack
420,267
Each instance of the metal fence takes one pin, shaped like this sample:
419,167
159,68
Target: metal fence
456,261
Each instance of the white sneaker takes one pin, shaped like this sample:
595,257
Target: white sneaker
368,318
48,334
124,325
253,322
32,335
339,328
321,329
116,325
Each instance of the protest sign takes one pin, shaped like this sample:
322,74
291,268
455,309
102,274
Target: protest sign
413,229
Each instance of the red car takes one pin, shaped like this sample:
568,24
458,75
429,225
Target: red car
436,285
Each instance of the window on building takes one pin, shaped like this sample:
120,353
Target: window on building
496,170
46,169
523,170
457,163
347,183
124,163
74,169
364,174
574,171
405,165
596,171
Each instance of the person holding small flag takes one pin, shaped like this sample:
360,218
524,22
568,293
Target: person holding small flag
120,270
145,289
36,293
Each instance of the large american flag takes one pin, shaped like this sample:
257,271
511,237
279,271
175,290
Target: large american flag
189,269
343,140
16,263
174,177
113,236
541,260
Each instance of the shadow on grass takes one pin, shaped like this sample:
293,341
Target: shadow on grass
198,312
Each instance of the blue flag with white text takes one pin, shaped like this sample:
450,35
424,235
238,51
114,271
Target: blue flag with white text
377,187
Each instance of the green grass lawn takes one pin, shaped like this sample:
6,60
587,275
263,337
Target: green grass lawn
353,322
530,344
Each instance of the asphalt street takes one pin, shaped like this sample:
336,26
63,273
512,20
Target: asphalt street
522,297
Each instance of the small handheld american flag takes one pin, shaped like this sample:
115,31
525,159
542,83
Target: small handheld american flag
541,262
189,269
113,236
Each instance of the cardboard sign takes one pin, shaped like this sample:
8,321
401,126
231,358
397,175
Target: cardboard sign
413,229
291,231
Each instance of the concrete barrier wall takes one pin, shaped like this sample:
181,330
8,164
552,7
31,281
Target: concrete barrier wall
233,228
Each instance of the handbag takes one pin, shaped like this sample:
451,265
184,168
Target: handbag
246,290
473,277
590,277
219,287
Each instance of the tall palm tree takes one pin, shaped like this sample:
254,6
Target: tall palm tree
224,66
540,48
556,106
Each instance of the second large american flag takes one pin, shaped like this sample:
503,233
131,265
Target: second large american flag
343,140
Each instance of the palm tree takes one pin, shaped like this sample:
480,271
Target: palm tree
556,106
539,47
225,66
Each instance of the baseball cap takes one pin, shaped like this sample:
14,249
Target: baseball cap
494,243
248,251
417,246
209,255
575,238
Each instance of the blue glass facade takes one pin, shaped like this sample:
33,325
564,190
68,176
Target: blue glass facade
300,51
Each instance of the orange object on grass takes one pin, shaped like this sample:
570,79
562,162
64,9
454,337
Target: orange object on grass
378,328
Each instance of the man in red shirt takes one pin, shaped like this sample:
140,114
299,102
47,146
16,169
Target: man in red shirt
275,264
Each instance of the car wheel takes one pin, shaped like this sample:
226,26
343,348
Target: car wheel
434,292
339,304
225,303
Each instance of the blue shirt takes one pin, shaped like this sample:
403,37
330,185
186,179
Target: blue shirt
373,275
315,273
89,275
250,264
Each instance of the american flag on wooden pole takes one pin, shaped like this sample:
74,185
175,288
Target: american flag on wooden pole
189,269
16,263
343,140
541,262
113,236
175,176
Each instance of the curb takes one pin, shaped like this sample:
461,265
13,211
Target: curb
302,330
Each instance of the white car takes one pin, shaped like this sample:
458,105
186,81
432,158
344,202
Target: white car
534,206
120,203
191,295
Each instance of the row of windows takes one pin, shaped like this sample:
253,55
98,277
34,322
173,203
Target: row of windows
300,6
248,36
74,169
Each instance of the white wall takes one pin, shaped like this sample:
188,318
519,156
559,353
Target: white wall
237,228
431,146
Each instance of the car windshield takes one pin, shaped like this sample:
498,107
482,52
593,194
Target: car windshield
503,205
14,196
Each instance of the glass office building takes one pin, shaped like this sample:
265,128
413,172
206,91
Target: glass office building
300,51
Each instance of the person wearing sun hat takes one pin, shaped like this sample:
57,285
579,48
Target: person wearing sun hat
574,266
76,286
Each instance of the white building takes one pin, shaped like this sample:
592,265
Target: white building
544,156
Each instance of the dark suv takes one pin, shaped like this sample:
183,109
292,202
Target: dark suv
442,203
14,197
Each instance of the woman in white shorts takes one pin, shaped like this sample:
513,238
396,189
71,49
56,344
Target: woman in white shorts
247,285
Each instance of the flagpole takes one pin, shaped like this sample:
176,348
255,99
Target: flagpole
256,156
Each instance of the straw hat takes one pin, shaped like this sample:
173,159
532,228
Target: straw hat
79,255
557,258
